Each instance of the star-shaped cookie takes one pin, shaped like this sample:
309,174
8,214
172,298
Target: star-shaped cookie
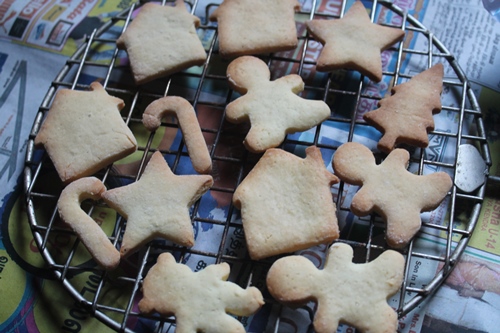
162,40
157,205
286,203
272,107
406,115
353,42
345,292
396,194
200,301
84,132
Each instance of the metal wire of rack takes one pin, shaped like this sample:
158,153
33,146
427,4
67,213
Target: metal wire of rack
112,296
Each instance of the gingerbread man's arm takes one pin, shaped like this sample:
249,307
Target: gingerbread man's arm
325,318
239,301
441,184
393,276
362,203
293,82
429,190
237,111
390,264
219,272
398,157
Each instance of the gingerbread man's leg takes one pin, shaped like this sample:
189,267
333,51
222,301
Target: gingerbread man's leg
260,138
220,324
402,227
324,320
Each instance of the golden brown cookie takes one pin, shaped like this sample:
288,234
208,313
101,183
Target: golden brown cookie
256,26
345,292
162,40
200,301
157,205
86,229
406,115
353,42
84,132
188,123
286,203
390,190
272,107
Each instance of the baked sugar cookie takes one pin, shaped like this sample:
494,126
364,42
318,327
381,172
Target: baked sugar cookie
162,40
353,42
84,132
86,229
273,108
345,292
188,123
256,26
390,190
407,115
201,301
157,205
286,203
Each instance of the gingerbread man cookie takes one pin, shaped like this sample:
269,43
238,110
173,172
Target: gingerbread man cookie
406,115
345,292
272,107
390,190
200,301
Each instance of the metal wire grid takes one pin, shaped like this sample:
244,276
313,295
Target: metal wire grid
91,292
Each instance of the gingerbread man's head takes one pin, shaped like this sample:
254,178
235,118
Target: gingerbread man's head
246,72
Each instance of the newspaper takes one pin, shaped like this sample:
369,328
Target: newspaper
36,37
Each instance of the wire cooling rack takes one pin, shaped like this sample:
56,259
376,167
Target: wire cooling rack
112,296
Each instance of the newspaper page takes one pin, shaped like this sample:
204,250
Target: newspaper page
55,25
